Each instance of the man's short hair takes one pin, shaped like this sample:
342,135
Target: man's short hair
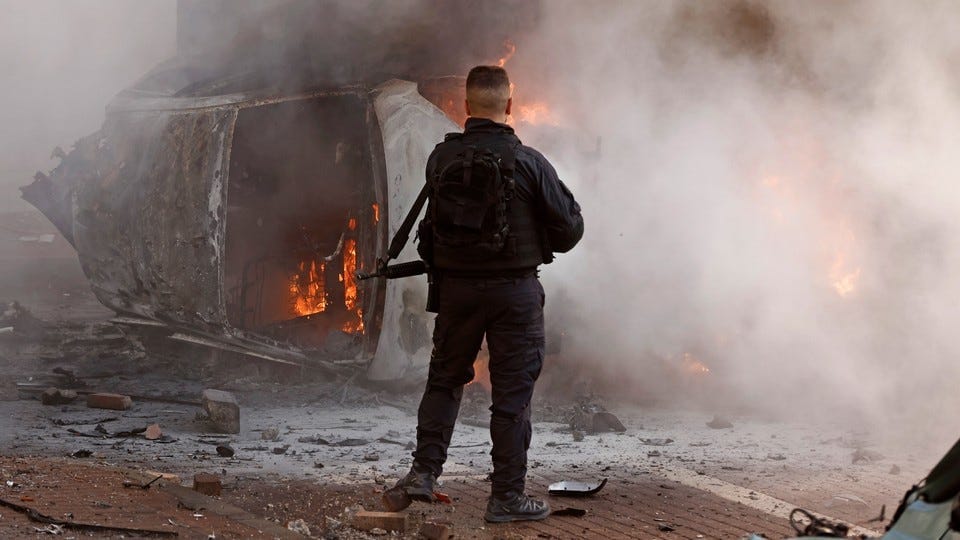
488,88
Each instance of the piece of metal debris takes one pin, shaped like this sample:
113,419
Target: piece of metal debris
574,488
656,442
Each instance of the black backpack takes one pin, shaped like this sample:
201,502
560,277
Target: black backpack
469,193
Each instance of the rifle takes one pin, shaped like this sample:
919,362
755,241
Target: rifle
413,268
394,271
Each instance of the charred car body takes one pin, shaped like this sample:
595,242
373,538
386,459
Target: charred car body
239,220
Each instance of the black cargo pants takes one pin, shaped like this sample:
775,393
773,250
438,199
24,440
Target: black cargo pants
509,311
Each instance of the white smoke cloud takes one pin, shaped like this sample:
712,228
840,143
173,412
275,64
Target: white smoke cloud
774,196
61,62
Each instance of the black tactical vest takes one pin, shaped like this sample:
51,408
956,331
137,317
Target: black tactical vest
522,245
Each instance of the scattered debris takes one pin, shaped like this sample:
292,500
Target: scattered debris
700,444
131,483
570,512
719,422
208,484
656,442
35,515
864,455
299,526
18,319
654,453
82,453
882,517
371,456
224,450
56,396
666,527
573,488
153,432
436,530
577,435
316,439
776,457
387,521
115,402
594,418
280,450
270,434
222,410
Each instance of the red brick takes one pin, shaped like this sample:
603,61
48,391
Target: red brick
109,401
208,484
388,521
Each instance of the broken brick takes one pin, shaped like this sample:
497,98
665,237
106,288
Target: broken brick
223,410
115,402
366,520
433,530
208,484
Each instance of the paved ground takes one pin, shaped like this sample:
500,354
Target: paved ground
337,446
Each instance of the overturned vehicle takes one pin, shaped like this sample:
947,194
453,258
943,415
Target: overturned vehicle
237,219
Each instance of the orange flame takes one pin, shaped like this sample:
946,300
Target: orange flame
536,114
307,292
691,365
376,212
844,277
511,50
481,371
350,293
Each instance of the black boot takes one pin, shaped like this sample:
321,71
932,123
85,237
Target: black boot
419,486
516,508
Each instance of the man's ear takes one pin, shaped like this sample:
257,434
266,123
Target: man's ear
509,106
466,107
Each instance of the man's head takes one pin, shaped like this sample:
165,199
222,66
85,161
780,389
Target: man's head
488,93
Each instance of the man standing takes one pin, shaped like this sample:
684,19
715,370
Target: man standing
496,211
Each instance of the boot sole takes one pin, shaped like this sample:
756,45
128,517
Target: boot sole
510,518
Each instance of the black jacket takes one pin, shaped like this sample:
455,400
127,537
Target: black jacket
537,183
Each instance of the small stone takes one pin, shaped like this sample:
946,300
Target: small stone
433,530
153,432
372,456
299,526
719,422
55,396
270,434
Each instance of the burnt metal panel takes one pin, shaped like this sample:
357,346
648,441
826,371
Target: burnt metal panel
149,227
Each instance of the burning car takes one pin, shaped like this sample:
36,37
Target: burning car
237,219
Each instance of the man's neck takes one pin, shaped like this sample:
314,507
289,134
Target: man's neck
501,119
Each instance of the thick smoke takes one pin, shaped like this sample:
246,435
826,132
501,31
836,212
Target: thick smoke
767,186
773,196
61,62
